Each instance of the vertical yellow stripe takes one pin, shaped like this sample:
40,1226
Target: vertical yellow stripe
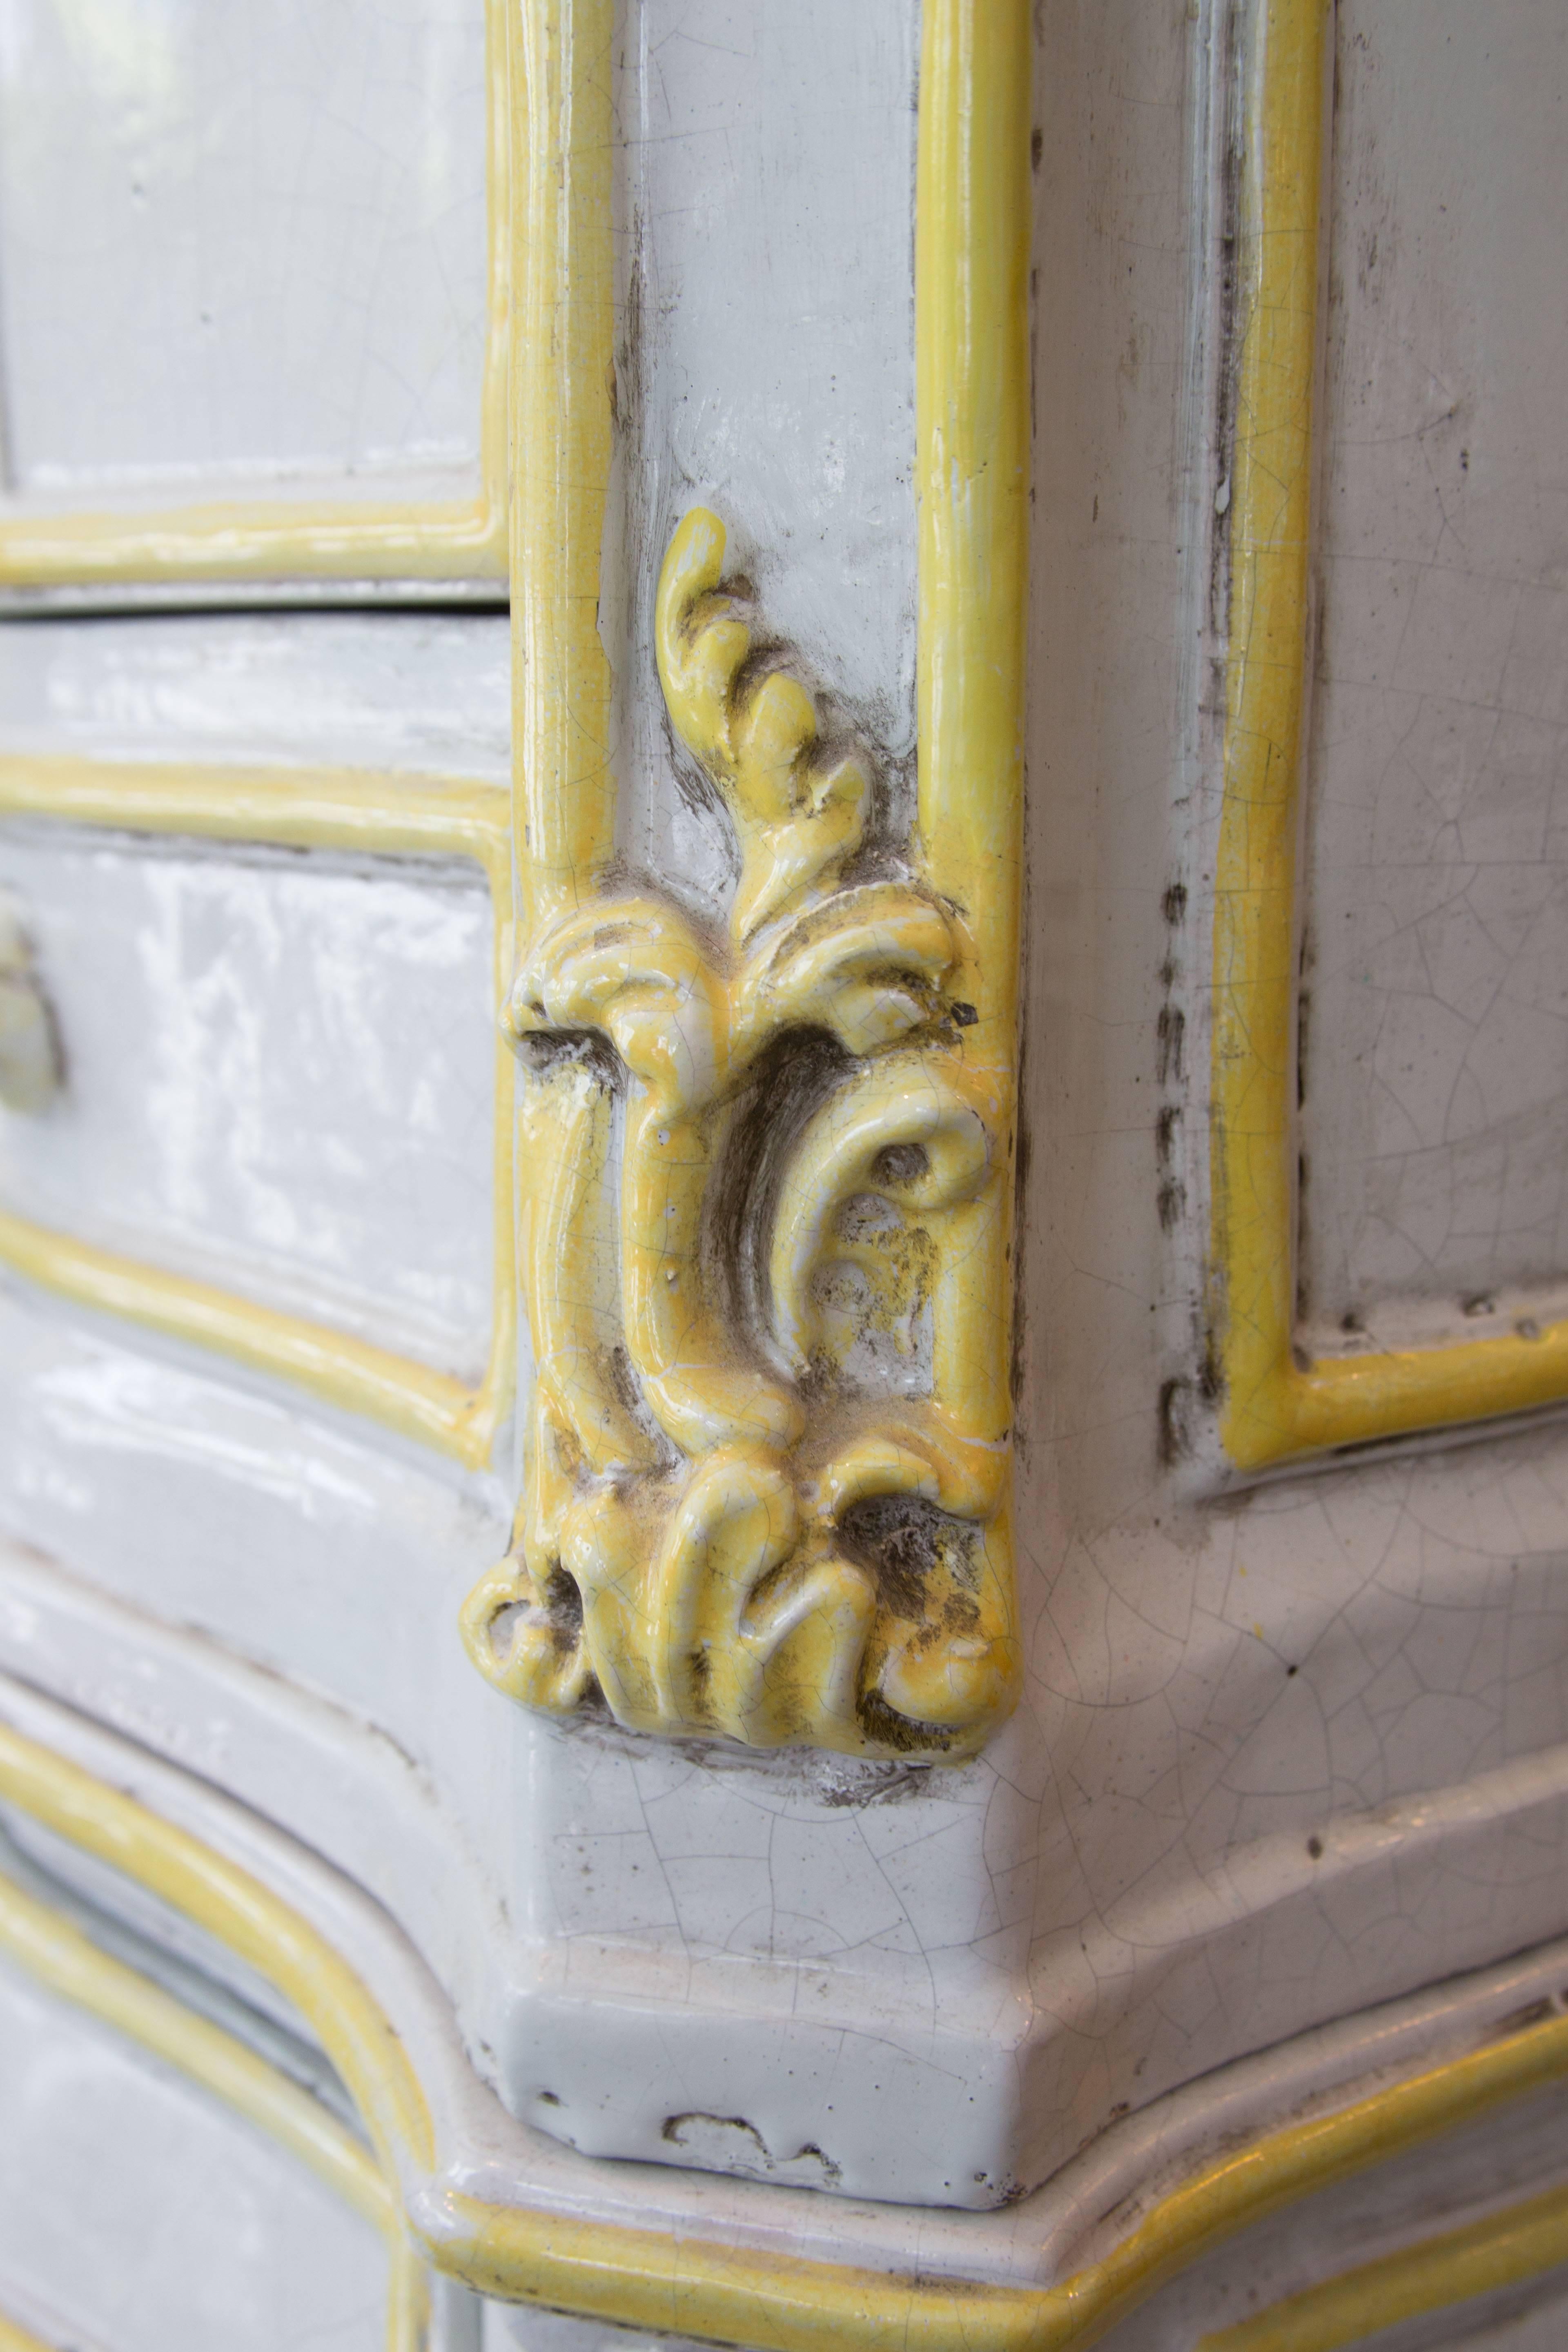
972,438
1254,943
562,164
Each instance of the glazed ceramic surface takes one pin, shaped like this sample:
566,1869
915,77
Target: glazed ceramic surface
239,245
839,1490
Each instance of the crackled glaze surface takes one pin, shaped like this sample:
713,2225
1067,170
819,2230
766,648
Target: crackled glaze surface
1278,1822
1437,1078
234,245
764,1497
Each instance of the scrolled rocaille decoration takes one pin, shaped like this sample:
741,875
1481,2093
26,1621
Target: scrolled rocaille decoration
755,1508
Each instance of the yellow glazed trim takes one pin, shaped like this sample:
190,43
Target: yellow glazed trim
1500,2251
720,1591
562,391
57,1955
973,214
320,809
739,2293
698,1441
289,537
1275,1406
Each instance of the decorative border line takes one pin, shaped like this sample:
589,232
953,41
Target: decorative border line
291,539
973,218
317,809
1276,1405
972,223
734,2293
564,793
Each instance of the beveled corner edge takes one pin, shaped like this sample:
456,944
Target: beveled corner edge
725,2291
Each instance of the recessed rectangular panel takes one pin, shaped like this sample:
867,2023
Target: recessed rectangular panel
241,247
1435,1027
279,1076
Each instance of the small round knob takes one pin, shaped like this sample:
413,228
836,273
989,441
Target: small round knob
29,1047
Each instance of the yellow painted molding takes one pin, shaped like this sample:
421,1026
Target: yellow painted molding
1502,2250
974,214
330,1365
780,2303
562,388
1278,1404
721,1532
972,220
290,536
380,814
345,810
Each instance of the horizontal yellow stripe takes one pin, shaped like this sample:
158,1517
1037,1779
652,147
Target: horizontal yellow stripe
257,538
377,813
1352,1400
343,1371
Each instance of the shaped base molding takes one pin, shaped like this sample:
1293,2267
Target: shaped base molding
825,2070
514,2213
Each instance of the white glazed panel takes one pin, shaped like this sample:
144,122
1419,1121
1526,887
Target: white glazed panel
279,1076
241,249
1437,952
139,2215
1279,1756
765,300
406,693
